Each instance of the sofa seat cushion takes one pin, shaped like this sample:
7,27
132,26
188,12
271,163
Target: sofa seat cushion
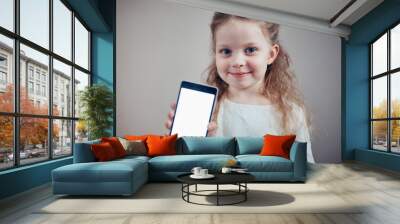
257,163
185,163
133,158
111,171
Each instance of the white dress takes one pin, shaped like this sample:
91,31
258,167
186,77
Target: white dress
239,120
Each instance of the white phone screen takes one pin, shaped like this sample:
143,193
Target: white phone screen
193,113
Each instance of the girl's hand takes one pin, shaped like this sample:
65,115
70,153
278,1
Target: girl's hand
212,126
170,117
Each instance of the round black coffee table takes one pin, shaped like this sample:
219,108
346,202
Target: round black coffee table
238,179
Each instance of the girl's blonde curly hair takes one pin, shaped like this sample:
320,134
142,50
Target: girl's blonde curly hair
280,85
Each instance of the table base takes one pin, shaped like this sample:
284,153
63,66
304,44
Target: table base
242,191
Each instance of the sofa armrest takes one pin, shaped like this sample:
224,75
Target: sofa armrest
298,155
83,152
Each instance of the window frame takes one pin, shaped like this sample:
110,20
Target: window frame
16,114
388,74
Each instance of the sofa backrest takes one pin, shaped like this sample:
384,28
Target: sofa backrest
249,145
206,145
83,152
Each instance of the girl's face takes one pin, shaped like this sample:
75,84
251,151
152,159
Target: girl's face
242,53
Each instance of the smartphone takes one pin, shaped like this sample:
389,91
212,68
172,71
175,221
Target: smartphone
194,108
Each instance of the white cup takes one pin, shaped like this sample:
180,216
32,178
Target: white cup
196,171
203,172
226,170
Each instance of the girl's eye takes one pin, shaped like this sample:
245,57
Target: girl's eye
225,51
250,50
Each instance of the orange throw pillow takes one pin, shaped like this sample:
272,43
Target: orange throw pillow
277,145
136,137
161,145
103,152
116,145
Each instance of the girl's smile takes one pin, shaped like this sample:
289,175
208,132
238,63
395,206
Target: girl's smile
239,74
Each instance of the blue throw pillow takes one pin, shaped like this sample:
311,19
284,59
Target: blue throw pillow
206,145
249,145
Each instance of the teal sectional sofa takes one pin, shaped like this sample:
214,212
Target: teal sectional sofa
125,176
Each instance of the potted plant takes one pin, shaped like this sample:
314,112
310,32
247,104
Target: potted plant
96,102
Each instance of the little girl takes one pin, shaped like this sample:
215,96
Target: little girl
257,91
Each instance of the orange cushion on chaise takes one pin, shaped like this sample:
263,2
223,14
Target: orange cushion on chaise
117,146
161,145
103,152
138,137
277,145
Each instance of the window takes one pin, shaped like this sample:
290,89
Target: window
7,143
38,74
34,21
30,72
62,29
37,89
81,81
3,61
3,78
81,45
385,91
6,73
44,131
62,74
7,14
43,90
30,87
63,137
3,72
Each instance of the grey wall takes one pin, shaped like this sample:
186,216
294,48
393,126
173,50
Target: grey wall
160,43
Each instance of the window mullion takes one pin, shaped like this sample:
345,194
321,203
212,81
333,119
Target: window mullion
16,84
389,106
73,82
371,99
50,81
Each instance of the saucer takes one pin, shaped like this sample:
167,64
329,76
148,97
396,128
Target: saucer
208,176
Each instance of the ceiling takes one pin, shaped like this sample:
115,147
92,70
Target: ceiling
318,9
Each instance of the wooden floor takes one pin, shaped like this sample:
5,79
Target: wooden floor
378,188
